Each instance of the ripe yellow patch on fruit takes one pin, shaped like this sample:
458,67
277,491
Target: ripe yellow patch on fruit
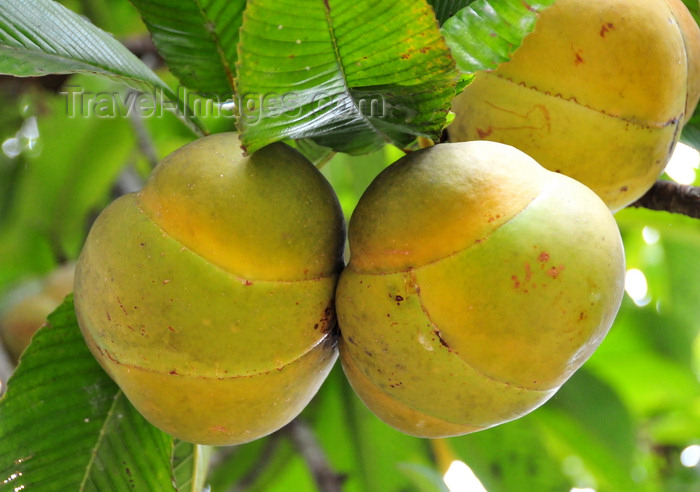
598,91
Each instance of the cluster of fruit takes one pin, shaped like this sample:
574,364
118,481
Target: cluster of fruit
478,281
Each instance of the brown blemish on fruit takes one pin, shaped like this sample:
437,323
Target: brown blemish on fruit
555,271
605,28
122,306
109,356
442,341
173,372
484,133
544,256
398,299
579,59
528,276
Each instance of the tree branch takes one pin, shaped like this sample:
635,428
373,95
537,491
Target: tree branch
327,480
672,197
143,139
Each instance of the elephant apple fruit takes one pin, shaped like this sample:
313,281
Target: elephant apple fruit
477,283
208,295
599,91
27,306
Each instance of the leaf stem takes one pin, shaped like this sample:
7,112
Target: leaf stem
143,139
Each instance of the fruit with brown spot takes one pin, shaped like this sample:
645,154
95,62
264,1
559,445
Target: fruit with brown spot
208,295
599,91
478,282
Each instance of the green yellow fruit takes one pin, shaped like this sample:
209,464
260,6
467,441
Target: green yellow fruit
598,91
27,307
208,295
478,282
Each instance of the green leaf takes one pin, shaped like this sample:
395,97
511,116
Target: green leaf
597,409
65,425
659,390
197,39
648,355
351,75
38,37
487,32
240,466
270,464
691,133
587,419
511,456
370,453
444,9
425,478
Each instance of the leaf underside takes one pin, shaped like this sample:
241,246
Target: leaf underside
39,37
312,69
